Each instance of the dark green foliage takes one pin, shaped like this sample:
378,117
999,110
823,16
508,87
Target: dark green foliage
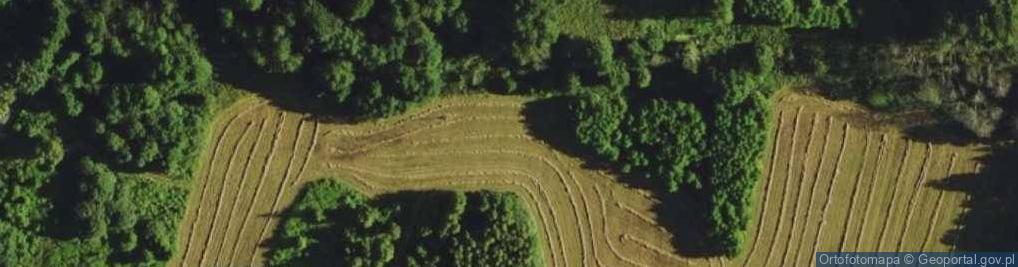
125,87
495,231
737,142
519,33
120,84
663,139
97,190
333,224
646,134
533,31
805,14
375,66
779,12
21,203
141,128
599,114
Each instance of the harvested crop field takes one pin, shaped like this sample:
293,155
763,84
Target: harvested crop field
839,180
260,157
833,182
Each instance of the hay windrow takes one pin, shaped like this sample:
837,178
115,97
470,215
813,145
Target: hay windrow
222,191
208,173
243,181
786,192
813,190
802,184
890,204
855,195
261,182
830,192
869,195
915,195
934,219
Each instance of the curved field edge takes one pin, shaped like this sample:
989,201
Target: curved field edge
473,142
558,192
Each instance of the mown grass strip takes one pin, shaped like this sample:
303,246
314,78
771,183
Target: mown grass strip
307,156
280,189
813,191
934,219
767,189
915,195
243,181
222,192
261,182
872,192
590,220
830,193
798,192
785,191
855,195
208,175
890,204
604,223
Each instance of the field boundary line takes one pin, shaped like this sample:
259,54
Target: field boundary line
855,194
816,181
890,205
869,195
208,175
261,182
767,189
785,191
802,184
940,203
830,191
243,181
282,187
916,195
222,191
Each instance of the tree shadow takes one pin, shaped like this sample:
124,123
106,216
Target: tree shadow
991,203
682,213
941,133
548,119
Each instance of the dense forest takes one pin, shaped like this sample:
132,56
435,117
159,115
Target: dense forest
99,98
332,224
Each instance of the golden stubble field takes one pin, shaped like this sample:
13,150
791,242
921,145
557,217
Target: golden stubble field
839,179
826,187
260,157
